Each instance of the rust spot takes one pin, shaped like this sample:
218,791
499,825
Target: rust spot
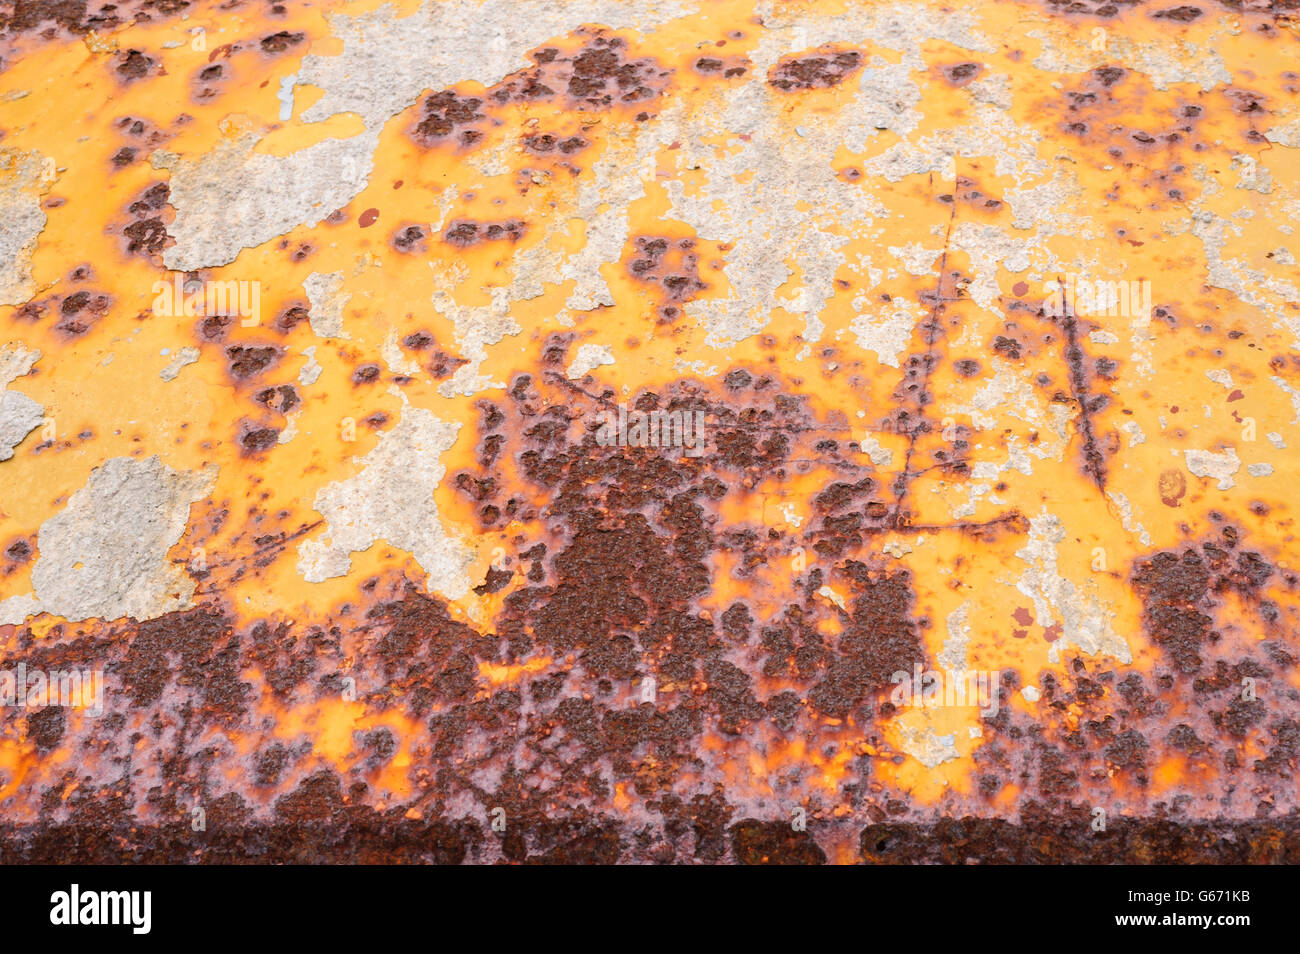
133,65
463,233
444,365
1175,587
1183,14
79,312
280,42
256,439
672,264
774,843
446,113
45,727
20,551
365,374
728,67
146,235
1171,485
291,317
410,239
599,77
1052,834
246,361
209,80
544,143
282,398
960,74
827,67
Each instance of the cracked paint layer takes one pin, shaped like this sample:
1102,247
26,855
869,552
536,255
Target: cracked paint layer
936,340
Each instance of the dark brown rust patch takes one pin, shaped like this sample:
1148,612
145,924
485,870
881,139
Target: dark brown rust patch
44,16
147,234
20,551
827,67
1175,588
27,15
671,264
543,144
449,116
410,239
1048,835
281,42
463,233
255,438
728,67
365,374
210,80
1183,14
246,361
599,77
196,649
45,727
282,399
79,312
133,65
879,639
1178,590
757,842
443,365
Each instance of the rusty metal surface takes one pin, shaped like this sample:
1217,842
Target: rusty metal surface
338,341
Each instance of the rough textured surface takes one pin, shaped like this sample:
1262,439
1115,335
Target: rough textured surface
104,555
19,414
590,417
392,499
20,210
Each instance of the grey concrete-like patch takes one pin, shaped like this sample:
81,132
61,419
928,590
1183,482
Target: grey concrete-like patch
476,327
1085,621
21,222
1286,135
234,198
325,293
1220,467
391,499
589,358
19,414
104,555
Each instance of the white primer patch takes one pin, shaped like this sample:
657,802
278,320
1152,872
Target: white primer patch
391,499
104,555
